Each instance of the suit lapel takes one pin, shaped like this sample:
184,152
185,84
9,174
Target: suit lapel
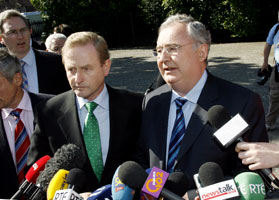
199,118
6,156
195,126
69,122
160,116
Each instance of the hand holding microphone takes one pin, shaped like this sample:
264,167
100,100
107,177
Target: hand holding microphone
258,155
230,130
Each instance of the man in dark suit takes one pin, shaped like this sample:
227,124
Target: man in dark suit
43,71
64,118
176,134
12,97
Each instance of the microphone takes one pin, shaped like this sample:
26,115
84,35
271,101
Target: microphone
67,157
31,176
250,186
230,130
133,175
102,193
75,179
119,190
58,182
213,185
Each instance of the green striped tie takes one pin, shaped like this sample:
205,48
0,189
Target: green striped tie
92,140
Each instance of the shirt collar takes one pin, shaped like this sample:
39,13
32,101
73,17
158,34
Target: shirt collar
194,94
24,104
101,100
29,58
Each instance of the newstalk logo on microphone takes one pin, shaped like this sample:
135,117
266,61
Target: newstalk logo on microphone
219,191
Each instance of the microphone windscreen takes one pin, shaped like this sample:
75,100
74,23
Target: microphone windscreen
67,157
250,186
218,116
58,182
210,173
177,183
132,174
76,177
119,190
36,168
101,193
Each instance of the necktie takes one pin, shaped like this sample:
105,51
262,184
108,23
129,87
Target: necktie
24,76
177,134
22,143
93,141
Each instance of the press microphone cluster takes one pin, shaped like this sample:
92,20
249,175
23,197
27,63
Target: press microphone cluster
75,181
134,176
212,185
67,157
231,130
28,187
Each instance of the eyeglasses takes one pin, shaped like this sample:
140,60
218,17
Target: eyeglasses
14,33
170,49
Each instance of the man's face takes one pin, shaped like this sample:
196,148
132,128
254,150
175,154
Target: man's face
183,69
16,36
57,45
84,70
9,91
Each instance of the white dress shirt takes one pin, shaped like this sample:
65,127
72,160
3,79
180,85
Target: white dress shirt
30,68
26,116
102,114
192,98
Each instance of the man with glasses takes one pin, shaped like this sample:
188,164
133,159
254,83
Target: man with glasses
43,72
176,134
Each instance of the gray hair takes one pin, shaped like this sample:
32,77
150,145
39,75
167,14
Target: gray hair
196,30
7,14
9,64
52,37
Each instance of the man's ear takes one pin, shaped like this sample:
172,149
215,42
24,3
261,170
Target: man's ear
17,79
106,66
203,52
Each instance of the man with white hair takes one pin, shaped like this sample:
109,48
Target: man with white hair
55,42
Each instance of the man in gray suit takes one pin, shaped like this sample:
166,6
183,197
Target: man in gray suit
64,118
176,134
12,97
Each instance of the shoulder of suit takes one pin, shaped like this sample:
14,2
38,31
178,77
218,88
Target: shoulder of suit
46,54
124,93
227,86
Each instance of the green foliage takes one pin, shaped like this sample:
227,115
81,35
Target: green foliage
132,22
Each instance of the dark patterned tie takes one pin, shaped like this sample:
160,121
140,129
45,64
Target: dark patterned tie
92,140
24,76
22,143
177,134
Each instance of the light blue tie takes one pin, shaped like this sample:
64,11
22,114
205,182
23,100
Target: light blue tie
24,76
177,134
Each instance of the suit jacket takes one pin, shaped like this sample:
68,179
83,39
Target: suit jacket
9,184
198,146
51,73
58,124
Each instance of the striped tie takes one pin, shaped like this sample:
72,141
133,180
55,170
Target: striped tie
177,134
22,143
24,76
